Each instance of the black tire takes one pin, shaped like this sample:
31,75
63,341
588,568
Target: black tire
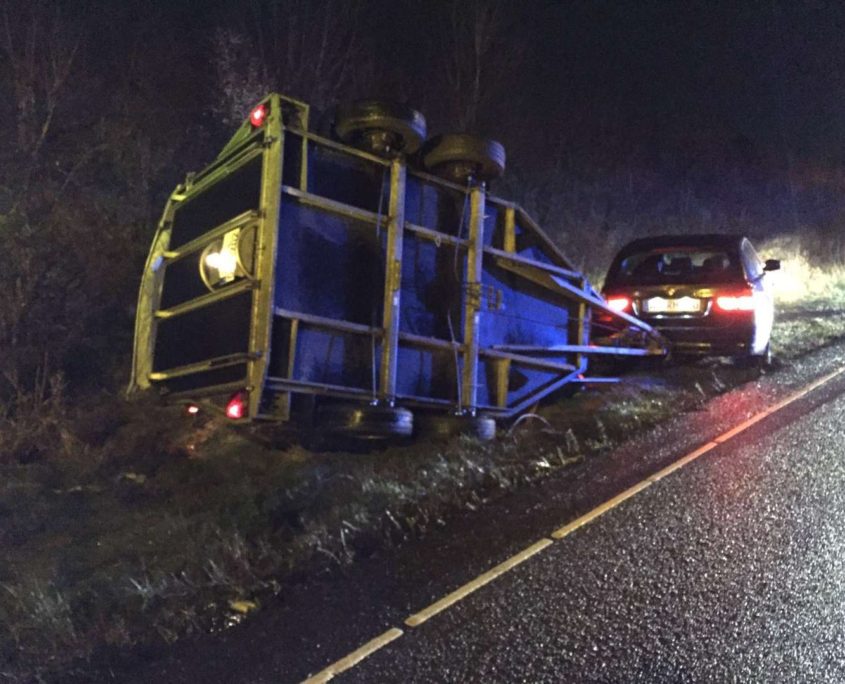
764,360
439,426
383,128
364,422
758,361
460,156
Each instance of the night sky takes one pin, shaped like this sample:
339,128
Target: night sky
635,75
768,74
771,72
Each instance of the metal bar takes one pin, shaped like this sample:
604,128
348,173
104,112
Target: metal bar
502,369
432,342
149,298
240,221
509,242
227,388
435,235
333,206
620,351
414,400
582,327
545,239
553,283
392,282
292,340
499,202
442,182
345,149
236,288
472,299
598,303
308,387
261,326
221,168
501,255
573,348
282,401
303,166
330,323
527,360
366,216
553,386
303,109
201,366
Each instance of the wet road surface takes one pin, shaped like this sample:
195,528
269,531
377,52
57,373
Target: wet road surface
632,596
731,569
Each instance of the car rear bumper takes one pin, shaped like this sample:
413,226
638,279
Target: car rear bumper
727,338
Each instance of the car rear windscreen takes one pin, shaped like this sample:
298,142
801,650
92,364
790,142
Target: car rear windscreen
677,265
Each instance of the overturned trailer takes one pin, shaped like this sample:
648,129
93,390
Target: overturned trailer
337,280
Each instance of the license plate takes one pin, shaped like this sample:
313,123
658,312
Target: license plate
679,305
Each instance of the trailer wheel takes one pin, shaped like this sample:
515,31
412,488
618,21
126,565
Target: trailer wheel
437,426
460,157
364,422
384,128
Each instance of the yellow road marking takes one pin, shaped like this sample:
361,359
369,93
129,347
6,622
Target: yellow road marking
477,583
418,618
631,491
681,462
733,432
684,460
355,657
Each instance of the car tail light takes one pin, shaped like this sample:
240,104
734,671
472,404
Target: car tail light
237,406
742,301
619,303
258,116
191,409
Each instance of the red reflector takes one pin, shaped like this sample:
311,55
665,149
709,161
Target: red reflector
192,409
738,302
236,408
618,303
258,116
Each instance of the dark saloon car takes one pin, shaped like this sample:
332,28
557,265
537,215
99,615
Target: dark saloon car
708,294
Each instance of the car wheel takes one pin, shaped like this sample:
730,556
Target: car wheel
384,128
759,361
765,360
435,426
459,157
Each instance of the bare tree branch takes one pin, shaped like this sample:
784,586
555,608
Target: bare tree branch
308,50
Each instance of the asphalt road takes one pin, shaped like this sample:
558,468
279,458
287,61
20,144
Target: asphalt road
728,569
731,569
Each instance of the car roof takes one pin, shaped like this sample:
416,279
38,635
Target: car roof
720,240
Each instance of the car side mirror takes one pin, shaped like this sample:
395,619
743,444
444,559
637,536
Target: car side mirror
772,265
